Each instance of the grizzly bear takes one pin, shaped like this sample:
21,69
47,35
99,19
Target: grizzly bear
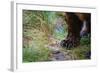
79,25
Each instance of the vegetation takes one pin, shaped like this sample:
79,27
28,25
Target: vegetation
44,28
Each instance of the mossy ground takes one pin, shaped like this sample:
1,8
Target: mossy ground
37,52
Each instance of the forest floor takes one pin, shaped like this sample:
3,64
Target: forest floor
38,47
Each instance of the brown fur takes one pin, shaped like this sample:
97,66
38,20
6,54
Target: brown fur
75,22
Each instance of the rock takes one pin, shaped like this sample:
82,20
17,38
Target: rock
59,56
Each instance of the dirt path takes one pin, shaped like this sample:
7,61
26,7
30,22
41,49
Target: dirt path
60,56
58,53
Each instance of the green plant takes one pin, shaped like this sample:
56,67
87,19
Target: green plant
35,54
